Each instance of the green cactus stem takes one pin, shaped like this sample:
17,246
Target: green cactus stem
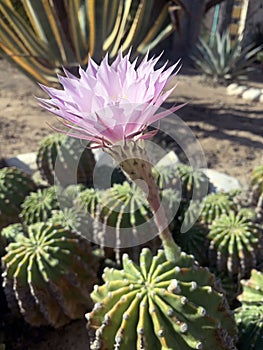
65,160
216,204
234,245
160,305
48,275
15,185
38,206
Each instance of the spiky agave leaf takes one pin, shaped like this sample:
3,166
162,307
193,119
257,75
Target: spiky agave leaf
160,305
45,35
65,160
38,206
234,245
224,61
48,274
216,204
15,185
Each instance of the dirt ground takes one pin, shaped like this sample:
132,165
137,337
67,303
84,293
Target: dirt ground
229,129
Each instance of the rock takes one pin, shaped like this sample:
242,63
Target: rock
240,89
221,182
261,97
168,160
231,89
25,162
251,94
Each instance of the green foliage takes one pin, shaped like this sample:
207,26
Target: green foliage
15,185
224,61
160,305
65,160
48,274
38,205
234,243
216,204
41,36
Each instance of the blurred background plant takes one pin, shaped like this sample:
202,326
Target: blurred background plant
41,36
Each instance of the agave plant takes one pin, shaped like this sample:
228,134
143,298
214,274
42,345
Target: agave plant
160,305
41,36
48,274
224,60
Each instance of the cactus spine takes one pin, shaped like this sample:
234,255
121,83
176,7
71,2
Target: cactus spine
160,305
48,275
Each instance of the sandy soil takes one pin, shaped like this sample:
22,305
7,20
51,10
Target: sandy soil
229,129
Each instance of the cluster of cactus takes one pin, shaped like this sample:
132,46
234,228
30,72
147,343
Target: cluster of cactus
64,160
15,185
234,243
160,305
249,316
48,274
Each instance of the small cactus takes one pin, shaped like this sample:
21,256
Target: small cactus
65,160
257,179
48,275
15,185
12,232
234,244
252,288
194,242
216,204
249,320
192,180
160,305
38,206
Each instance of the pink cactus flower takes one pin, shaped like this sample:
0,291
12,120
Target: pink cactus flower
111,103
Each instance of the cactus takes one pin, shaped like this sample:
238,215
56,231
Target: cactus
192,180
71,218
216,204
160,305
249,320
12,232
15,185
249,316
48,275
38,206
64,160
194,242
234,243
257,178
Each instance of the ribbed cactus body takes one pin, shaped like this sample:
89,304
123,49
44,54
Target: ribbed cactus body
65,160
216,204
38,206
234,244
48,275
249,316
257,179
160,305
194,242
15,185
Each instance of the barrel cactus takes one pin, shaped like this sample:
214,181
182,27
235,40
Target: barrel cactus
15,185
192,180
249,316
64,160
234,245
257,179
195,242
38,205
48,275
160,305
216,204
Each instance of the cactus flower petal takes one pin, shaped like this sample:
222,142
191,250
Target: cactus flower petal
109,103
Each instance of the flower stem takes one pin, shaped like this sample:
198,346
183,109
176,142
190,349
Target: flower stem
133,160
